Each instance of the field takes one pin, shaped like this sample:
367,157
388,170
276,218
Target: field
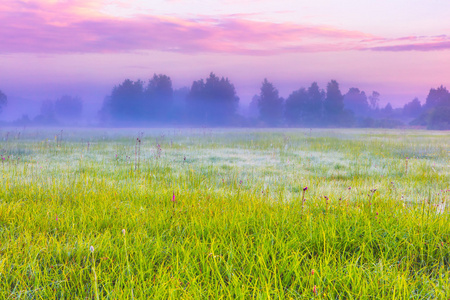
224,213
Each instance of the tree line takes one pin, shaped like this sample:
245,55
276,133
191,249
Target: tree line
66,110
214,102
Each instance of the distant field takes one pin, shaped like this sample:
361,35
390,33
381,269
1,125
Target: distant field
224,213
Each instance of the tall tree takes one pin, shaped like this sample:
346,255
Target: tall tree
387,110
374,100
296,107
252,110
3,101
356,101
438,108
126,101
158,97
212,101
270,104
437,97
439,118
333,103
412,108
316,97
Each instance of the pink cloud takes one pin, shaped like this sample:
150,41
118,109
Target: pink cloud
413,43
77,27
415,47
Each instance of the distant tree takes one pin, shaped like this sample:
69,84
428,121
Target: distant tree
68,107
3,101
439,118
270,104
47,114
212,101
303,107
23,121
131,102
333,103
253,111
388,110
412,108
296,107
356,101
158,98
438,109
374,100
316,97
126,101
437,97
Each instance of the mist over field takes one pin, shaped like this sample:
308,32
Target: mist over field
214,102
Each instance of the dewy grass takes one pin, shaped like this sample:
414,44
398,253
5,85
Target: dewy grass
223,213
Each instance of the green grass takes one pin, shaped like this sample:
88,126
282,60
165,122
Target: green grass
238,228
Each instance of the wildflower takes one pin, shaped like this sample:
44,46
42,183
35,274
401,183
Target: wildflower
349,187
173,198
123,231
92,249
240,182
312,272
315,290
303,196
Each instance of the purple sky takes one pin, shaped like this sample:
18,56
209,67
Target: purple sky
48,48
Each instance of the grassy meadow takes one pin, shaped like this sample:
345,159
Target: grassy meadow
224,213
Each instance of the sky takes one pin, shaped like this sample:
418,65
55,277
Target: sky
400,48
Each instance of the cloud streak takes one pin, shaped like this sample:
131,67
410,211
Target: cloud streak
413,43
78,27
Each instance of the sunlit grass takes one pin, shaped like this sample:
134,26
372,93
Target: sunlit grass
374,223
